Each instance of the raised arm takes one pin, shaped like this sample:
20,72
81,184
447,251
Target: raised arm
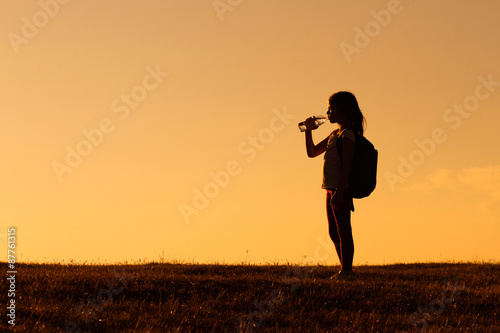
312,149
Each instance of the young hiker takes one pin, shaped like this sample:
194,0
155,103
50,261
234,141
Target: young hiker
344,110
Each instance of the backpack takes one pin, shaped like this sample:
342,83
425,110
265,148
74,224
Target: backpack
363,176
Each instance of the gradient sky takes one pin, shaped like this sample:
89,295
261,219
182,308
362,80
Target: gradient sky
161,97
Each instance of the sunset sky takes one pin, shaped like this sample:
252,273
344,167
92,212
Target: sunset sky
168,129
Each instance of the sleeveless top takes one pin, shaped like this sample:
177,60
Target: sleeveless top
332,164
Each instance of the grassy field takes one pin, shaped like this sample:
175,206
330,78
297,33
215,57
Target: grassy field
224,298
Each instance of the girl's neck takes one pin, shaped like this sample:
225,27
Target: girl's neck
343,126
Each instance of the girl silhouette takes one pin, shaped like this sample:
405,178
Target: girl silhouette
344,110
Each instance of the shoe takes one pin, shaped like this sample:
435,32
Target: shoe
344,276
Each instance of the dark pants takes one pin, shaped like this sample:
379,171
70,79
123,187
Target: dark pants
339,227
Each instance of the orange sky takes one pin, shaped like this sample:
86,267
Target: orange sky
139,130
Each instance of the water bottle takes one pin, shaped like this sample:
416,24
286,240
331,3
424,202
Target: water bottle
320,120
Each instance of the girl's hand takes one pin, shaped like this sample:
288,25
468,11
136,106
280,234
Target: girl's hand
311,124
338,200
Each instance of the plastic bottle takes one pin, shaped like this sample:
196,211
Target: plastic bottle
320,120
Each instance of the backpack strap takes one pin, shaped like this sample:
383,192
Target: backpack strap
339,141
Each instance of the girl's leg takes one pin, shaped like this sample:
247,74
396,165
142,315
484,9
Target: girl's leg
332,224
343,222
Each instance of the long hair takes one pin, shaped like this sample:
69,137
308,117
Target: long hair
346,103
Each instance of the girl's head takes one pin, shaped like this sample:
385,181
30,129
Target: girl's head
344,105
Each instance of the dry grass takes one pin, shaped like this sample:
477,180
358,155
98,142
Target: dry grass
223,298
